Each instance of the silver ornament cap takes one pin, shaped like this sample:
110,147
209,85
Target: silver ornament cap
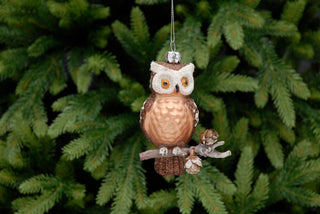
173,57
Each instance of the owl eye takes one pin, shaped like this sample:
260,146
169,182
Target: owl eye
165,84
184,81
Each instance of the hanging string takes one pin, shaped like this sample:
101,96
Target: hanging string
172,36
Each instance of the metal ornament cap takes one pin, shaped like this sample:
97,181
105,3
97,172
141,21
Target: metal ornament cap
173,57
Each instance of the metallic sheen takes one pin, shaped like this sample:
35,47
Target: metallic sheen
169,121
173,57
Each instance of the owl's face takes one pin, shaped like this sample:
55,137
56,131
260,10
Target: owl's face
172,81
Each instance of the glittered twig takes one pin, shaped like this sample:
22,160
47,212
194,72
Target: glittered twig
201,149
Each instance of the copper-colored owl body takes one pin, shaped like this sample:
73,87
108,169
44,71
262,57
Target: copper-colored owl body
169,122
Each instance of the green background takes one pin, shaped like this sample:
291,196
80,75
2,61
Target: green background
74,75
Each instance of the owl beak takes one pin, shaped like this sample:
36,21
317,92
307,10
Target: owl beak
177,88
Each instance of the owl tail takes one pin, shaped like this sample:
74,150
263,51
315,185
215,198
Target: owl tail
169,166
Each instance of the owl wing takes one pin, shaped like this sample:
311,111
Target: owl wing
146,107
195,112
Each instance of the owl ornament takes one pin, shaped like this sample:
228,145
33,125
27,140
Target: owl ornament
169,117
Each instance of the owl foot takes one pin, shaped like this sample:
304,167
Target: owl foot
163,151
177,151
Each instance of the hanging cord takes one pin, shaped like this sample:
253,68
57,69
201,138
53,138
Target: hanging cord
172,36
172,56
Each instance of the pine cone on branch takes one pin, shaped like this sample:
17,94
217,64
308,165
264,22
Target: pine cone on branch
193,163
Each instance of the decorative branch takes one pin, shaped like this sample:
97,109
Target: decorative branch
201,149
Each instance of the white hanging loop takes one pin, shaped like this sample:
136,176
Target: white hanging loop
172,35
172,56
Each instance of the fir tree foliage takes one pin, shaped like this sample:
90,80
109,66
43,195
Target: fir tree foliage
248,199
75,73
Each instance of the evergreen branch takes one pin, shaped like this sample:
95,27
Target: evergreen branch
286,133
140,185
293,11
279,28
260,193
150,2
233,83
100,36
221,181
30,103
138,103
305,172
221,122
112,68
84,78
37,184
126,181
184,188
160,38
207,101
312,117
133,97
139,27
250,3
98,152
62,102
160,201
215,29
13,36
76,148
108,187
42,45
226,64
233,32
12,152
243,176
72,10
41,204
75,108
9,178
301,196
251,54
99,12
314,36
296,157
12,61
3,193
273,148
75,191
241,130
125,37
303,50
201,54
75,61
247,16
255,118
276,83
284,104
261,95
97,138
3,161
125,191
210,199
296,84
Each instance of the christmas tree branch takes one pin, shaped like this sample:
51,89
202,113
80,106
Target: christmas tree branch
201,149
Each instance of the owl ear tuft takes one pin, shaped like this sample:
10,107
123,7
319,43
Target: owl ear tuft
189,68
155,67
164,67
